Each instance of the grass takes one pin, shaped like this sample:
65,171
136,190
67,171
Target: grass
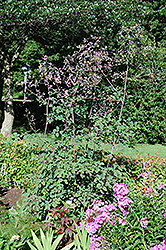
139,149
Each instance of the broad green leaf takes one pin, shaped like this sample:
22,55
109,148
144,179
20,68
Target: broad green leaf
56,242
68,246
36,241
30,245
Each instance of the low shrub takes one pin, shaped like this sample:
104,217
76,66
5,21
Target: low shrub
136,167
17,159
15,225
81,181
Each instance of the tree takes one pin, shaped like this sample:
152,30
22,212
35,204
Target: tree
60,26
15,27
20,22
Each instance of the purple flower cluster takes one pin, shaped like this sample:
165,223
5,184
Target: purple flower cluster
103,212
149,180
123,201
144,222
162,246
146,175
161,185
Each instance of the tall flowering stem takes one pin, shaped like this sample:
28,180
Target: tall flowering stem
120,116
82,94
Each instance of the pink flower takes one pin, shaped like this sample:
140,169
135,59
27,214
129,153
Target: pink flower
110,207
161,185
104,212
92,228
123,204
162,246
145,175
120,190
122,222
144,222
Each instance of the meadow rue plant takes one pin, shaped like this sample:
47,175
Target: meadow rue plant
80,97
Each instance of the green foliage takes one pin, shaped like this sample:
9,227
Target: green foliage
62,179
82,238
144,113
47,241
133,235
14,243
18,159
15,228
31,54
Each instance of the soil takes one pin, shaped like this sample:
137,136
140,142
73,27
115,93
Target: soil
9,196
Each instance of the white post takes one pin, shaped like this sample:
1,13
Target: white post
25,87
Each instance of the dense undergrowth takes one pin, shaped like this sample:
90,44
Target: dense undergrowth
57,181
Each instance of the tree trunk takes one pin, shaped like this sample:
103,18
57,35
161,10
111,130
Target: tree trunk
7,60
1,92
1,86
6,129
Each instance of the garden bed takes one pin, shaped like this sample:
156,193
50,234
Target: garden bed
10,196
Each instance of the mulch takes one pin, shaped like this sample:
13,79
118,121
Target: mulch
9,196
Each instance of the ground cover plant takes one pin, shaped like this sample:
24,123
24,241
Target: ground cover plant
18,159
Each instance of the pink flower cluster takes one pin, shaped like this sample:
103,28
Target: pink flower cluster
144,222
162,246
161,185
149,179
103,212
123,201
164,211
146,175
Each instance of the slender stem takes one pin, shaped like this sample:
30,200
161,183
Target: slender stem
74,145
46,125
89,127
39,135
74,136
120,115
106,77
